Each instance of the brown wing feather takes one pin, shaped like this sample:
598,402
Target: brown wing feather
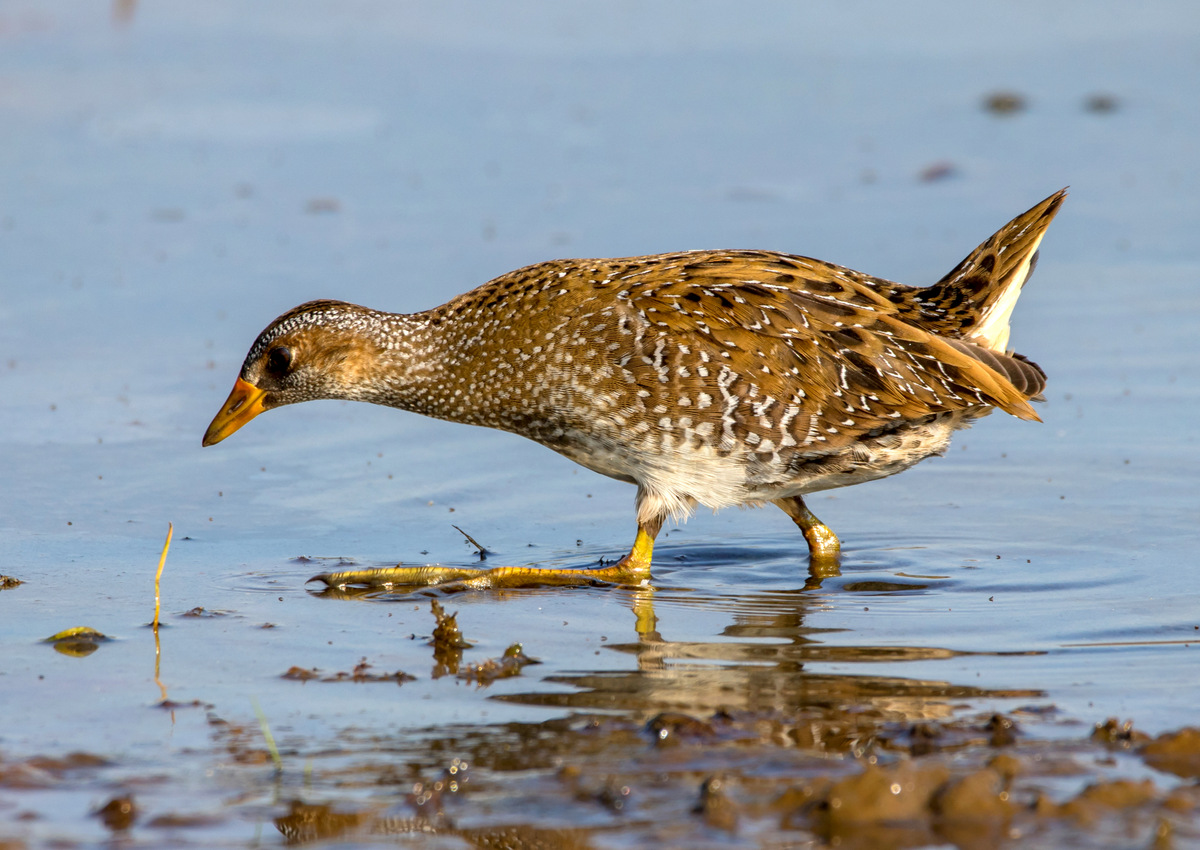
804,348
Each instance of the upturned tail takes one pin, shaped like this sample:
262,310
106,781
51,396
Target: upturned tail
976,299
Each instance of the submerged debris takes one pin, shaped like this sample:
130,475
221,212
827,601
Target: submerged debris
1098,800
483,552
924,738
78,641
1116,734
360,673
118,814
448,642
427,798
1002,730
47,771
301,674
446,634
1004,103
509,664
77,633
740,774
614,796
172,705
669,728
1101,103
940,170
200,612
981,795
718,811
1175,752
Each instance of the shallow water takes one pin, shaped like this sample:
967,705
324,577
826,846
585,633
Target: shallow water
172,176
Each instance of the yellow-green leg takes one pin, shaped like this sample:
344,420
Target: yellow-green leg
633,569
824,548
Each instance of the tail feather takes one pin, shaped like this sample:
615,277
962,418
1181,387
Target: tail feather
1026,376
976,299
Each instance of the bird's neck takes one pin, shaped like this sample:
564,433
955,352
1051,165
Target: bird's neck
465,369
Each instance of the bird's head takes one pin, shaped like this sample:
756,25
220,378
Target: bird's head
322,349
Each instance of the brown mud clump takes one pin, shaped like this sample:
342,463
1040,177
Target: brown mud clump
507,665
361,673
737,778
1175,752
78,641
1004,103
448,642
118,814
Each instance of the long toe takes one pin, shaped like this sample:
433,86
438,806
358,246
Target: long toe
626,571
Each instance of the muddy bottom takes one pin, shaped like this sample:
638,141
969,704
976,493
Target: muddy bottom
837,777
722,744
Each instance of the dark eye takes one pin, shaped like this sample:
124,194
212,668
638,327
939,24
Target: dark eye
279,360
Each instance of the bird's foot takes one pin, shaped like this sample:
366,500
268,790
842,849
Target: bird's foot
824,550
626,571
823,544
631,570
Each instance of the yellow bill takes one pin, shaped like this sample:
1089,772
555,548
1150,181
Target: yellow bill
243,404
